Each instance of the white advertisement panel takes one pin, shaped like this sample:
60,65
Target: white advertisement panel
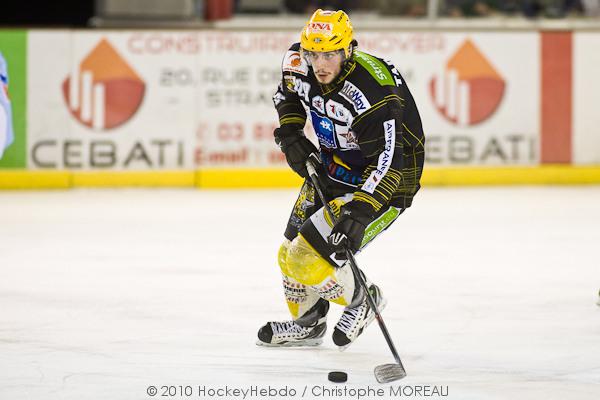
586,98
143,100
111,100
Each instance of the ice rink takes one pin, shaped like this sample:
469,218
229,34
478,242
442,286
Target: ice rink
104,293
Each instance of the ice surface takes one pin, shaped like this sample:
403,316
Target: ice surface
491,293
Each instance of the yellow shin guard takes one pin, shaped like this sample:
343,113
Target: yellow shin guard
298,299
305,265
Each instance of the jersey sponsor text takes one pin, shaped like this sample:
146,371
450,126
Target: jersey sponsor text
356,97
385,158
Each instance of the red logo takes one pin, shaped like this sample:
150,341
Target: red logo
104,92
320,27
469,89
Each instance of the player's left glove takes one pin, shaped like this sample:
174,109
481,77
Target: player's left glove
350,227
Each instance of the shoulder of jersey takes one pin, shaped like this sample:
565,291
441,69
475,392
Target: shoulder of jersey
293,61
374,76
371,81
361,90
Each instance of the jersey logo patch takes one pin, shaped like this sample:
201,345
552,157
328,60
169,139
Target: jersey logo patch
324,129
355,97
346,138
337,111
292,62
290,82
318,104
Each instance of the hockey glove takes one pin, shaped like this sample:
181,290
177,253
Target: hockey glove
296,147
350,227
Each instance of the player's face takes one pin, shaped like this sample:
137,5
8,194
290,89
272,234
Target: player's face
326,65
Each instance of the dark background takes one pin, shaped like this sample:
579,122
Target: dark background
46,13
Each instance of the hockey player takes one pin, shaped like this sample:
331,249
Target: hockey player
371,148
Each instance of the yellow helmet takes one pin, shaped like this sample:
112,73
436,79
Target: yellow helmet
327,31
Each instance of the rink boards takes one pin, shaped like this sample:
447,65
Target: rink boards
194,108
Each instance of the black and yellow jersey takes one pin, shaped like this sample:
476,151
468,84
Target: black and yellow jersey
368,126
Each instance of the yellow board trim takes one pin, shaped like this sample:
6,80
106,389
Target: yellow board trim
538,175
285,178
247,178
22,179
136,178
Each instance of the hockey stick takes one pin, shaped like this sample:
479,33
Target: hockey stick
386,372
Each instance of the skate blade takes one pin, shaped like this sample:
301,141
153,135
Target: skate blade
389,372
381,307
305,343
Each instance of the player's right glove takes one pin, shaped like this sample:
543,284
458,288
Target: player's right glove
296,147
349,230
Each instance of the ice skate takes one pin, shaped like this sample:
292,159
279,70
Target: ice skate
290,334
354,320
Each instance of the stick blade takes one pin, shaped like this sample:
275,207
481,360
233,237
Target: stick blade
389,372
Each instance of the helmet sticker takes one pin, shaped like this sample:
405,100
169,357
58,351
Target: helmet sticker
320,27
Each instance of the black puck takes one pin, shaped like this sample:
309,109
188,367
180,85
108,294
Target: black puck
337,376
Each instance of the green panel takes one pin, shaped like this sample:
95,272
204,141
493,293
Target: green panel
375,68
13,45
379,225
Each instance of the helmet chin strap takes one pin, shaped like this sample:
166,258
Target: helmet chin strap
345,61
350,52
353,45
